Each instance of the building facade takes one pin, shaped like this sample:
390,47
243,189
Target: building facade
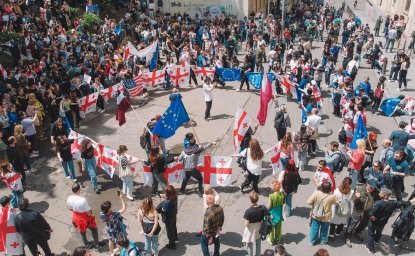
376,8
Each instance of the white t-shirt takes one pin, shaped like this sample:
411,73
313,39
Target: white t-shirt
313,121
78,204
207,91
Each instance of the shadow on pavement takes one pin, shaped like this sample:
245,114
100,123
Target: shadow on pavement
233,252
293,238
232,239
41,206
302,212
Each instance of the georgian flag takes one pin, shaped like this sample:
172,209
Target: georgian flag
173,173
179,75
76,145
10,241
107,159
152,79
204,72
242,123
88,104
110,92
3,72
275,154
216,170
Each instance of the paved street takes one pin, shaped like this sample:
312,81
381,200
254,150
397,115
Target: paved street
51,188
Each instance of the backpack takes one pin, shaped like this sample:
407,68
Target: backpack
279,121
318,209
403,226
342,136
353,73
342,162
344,208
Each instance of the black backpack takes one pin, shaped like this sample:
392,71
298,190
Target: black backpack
342,136
342,162
403,226
279,121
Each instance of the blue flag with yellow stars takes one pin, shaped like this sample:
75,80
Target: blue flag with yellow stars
229,74
389,106
172,119
254,78
359,133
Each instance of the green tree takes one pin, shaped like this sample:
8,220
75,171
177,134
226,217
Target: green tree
90,22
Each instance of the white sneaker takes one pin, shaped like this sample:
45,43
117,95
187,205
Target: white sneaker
68,177
75,180
238,90
398,89
130,198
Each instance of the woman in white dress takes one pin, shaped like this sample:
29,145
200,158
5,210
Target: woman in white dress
341,212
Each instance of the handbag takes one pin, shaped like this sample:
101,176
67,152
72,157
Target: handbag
266,227
314,135
148,226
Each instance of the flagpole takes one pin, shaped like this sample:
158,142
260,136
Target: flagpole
194,131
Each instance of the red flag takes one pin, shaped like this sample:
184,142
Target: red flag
122,106
265,97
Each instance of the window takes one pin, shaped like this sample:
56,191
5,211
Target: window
407,5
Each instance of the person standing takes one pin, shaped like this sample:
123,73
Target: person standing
286,148
207,92
63,146
390,39
282,122
22,146
82,217
190,156
275,207
125,173
170,210
148,219
378,23
379,215
341,212
90,163
313,122
301,141
321,202
363,200
15,159
400,137
396,169
403,72
253,216
114,222
33,228
13,180
289,179
333,157
254,155
212,225
357,159
157,165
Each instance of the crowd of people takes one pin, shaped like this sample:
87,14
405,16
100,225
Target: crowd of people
41,92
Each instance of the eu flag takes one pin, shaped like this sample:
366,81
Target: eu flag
303,116
359,133
229,74
389,106
254,78
271,76
153,62
172,119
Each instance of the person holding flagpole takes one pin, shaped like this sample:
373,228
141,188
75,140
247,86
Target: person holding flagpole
207,91
357,158
10,241
90,163
125,173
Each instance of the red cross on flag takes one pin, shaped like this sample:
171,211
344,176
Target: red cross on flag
106,158
275,153
179,75
88,104
3,72
204,72
13,180
10,241
216,170
174,173
152,79
76,145
110,92
286,83
242,123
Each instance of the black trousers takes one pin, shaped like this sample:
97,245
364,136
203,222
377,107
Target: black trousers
336,229
251,178
32,245
362,223
281,133
354,219
312,146
208,107
195,174
171,229
397,185
192,77
244,80
374,232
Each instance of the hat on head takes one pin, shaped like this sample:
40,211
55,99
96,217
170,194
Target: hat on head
4,200
371,182
386,191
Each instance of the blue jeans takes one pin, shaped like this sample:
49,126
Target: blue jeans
319,230
127,185
17,195
68,168
289,204
353,177
390,42
250,248
302,159
204,243
90,165
151,244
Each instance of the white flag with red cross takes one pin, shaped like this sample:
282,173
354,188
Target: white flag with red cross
276,164
10,241
106,158
216,170
204,72
76,145
3,72
242,123
153,79
110,92
286,83
179,75
88,104
173,173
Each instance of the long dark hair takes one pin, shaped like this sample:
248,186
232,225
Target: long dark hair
291,172
171,193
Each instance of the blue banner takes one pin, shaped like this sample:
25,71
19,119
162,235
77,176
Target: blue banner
229,74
